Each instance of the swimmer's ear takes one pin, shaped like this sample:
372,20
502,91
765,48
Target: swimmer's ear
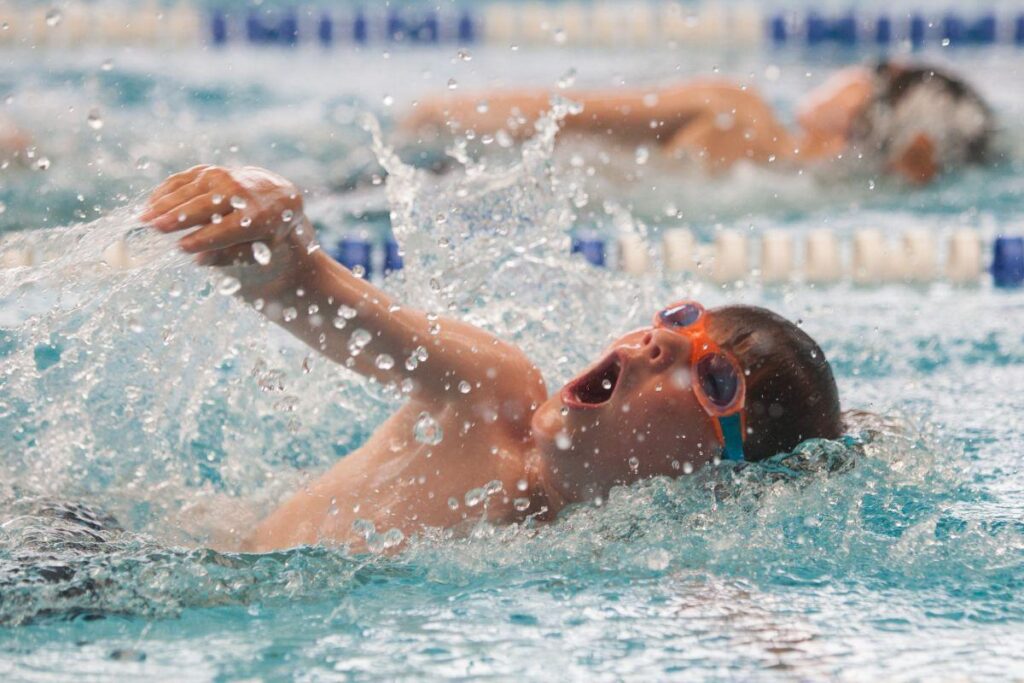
916,162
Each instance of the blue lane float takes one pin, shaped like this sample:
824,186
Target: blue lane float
392,257
591,247
501,22
355,253
1008,262
358,26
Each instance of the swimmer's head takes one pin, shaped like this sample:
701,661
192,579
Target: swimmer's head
636,414
916,120
831,109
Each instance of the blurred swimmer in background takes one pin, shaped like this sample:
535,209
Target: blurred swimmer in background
915,121
14,141
736,382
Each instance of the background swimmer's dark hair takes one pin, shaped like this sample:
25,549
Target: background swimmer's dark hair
971,144
791,393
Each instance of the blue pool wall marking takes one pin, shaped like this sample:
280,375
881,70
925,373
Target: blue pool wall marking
1008,262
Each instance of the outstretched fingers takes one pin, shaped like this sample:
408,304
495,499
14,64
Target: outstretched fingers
192,211
228,233
173,183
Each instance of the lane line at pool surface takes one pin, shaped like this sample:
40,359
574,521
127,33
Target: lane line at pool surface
869,258
637,23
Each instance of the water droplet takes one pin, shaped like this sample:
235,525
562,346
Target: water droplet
606,383
107,65
385,362
642,155
346,312
426,430
464,387
246,221
142,163
261,252
217,199
287,215
94,119
364,528
473,497
563,441
658,559
216,218
464,55
289,314
339,323
725,121
238,202
492,487
3,208
388,100
634,464
453,503
567,79
452,84
560,36
687,468
358,341
53,17
42,163
521,504
229,285
482,107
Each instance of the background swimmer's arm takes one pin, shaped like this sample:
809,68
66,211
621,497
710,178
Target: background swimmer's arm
263,239
647,114
512,111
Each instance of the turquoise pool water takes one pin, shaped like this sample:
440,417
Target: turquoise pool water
897,553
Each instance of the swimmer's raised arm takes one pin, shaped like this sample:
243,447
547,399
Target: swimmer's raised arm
305,291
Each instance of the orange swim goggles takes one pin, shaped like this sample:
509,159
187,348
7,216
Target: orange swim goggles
720,386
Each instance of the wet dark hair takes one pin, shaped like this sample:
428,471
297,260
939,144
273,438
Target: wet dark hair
895,82
791,393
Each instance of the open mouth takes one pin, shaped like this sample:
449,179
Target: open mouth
596,386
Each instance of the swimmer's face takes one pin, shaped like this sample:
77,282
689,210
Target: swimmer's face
631,415
831,108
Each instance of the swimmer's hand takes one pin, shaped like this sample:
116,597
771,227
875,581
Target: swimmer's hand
226,209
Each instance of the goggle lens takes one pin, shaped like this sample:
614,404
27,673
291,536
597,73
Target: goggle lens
718,379
682,315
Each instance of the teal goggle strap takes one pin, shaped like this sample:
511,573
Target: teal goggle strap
732,433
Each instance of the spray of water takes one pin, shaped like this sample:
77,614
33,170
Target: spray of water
148,390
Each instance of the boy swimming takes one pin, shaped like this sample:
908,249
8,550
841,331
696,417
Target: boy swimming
915,121
736,382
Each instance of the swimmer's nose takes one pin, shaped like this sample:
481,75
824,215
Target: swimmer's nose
661,348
